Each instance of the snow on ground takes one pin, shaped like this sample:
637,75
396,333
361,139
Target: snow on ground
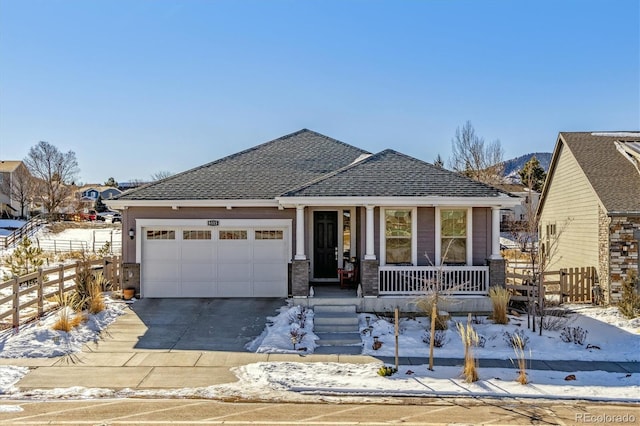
278,335
328,381
38,339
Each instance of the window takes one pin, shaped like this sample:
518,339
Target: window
453,236
269,235
232,235
346,235
196,235
161,235
398,236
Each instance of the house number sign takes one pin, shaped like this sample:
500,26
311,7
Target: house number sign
213,222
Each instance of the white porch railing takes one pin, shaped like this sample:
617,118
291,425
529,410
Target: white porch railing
450,280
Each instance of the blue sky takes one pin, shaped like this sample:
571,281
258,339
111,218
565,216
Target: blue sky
135,87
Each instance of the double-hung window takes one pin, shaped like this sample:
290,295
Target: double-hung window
399,233
454,236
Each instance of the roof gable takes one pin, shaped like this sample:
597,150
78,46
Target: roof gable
392,174
613,177
261,172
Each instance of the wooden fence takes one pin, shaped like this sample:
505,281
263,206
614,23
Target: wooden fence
572,285
27,230
26,297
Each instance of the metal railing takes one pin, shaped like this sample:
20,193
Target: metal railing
450,280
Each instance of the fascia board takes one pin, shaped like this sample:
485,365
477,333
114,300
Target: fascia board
501,201
124,204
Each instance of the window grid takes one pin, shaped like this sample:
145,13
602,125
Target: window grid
161,235
233,235
196,235
269,235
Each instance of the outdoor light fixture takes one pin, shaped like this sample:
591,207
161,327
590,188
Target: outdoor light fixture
132,233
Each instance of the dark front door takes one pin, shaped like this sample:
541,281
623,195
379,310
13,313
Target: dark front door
325,242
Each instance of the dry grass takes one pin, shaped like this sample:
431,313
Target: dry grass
499,299
469,339
96,298
518,348
425,304
67,319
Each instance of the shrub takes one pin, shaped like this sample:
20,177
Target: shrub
577,335
439,338
24,259
67,320
499,299
629,304
554,320
516,339
469,339
385,371
96,298
518,348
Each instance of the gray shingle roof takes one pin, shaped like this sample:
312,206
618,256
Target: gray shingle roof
390,173
614,178
261,172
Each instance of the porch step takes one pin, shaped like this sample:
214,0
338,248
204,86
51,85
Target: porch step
339,350
348,309
339,339
337,325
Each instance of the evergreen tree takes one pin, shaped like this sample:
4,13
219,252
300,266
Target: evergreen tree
111,182
438,162
533,175
26,258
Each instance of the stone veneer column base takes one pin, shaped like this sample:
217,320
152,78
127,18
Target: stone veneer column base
369,277
497,272
300,278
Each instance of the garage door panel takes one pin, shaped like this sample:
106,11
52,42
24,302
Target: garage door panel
234,252
198,272
162,250
269,251
235,289
269,289
235,273
269,271
199,289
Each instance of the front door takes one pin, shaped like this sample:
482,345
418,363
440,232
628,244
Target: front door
325,250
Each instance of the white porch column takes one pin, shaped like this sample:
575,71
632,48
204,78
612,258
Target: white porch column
370,252
300,234
495,233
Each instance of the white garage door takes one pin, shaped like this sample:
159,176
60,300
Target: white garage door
190,261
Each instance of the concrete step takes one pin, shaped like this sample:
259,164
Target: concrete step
338,350
335,318
338,339
325,309
334,328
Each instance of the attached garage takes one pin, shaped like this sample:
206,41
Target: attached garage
214,258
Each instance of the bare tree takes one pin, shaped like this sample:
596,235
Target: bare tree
20,188
474,158
162,174
55,171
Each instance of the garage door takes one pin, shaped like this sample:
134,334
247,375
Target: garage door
214,262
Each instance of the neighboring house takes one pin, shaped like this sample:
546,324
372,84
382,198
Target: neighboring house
273,220
590,207
9,173
88,194
514,217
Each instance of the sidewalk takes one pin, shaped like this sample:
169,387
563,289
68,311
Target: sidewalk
117,362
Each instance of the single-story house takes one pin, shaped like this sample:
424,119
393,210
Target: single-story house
275,219
589,211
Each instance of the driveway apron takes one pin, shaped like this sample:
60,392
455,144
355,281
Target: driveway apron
203,324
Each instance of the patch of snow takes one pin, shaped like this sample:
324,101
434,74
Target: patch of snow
277,335
11,223
10,375
618,134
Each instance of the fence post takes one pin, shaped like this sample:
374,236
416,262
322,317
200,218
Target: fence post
16,304
40,293
61,281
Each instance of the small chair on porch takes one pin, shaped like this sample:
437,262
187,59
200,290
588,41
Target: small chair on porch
348,275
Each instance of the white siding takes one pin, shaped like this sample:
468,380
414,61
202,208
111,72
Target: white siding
571,204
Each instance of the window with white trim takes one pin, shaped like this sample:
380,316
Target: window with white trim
269,235
398,234
161,235
196,235
233,235
453,236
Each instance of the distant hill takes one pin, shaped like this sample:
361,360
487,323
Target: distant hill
513,166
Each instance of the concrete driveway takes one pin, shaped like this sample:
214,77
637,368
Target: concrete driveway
203,324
